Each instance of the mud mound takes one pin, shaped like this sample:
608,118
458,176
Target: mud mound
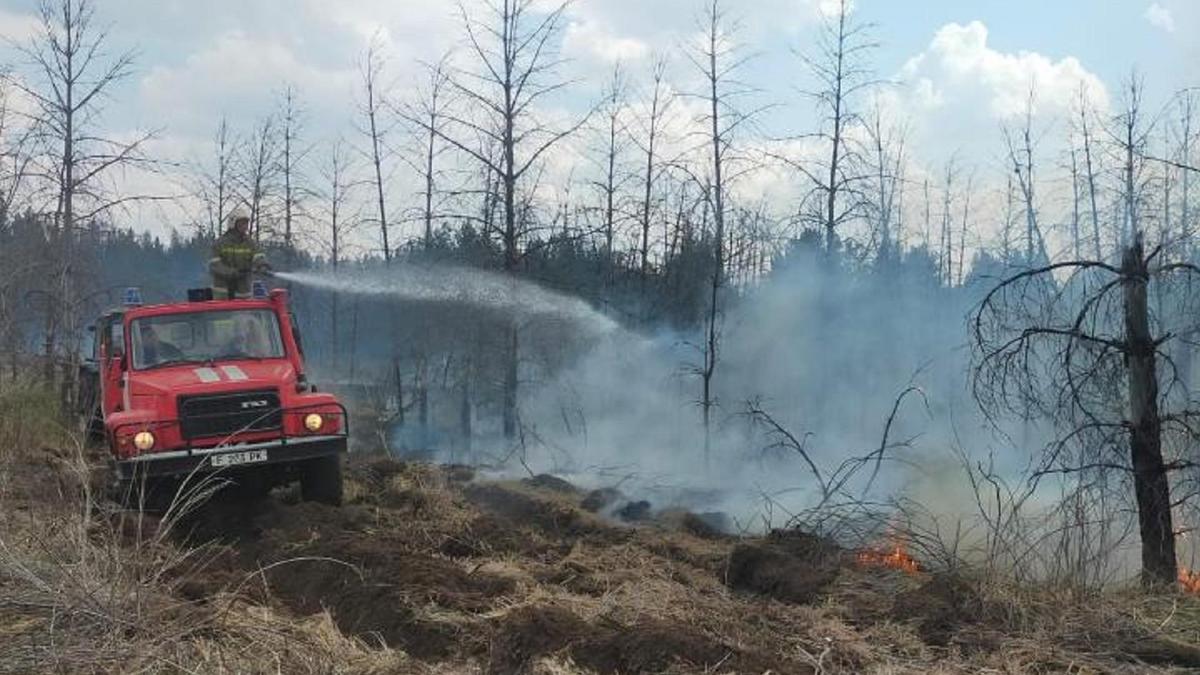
377,472
364,606
707,525
527,633
487,535
634,512
657,646
939,608
712,525
554,516
791,566
546,481
599,500
371,590
648,646
370,574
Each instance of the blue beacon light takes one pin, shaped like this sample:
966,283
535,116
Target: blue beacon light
133,297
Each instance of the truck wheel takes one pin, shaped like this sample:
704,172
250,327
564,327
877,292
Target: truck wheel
321,480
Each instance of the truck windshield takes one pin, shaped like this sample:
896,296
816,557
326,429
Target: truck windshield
201,337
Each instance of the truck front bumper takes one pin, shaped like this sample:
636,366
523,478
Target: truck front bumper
230,457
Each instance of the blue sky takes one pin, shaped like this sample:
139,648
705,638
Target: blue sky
954,62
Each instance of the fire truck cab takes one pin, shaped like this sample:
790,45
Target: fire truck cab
215,387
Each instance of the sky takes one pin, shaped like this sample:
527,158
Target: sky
955,70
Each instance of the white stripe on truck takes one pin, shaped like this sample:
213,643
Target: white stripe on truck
207,375
234,373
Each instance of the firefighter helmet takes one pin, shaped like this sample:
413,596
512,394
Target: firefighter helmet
238,216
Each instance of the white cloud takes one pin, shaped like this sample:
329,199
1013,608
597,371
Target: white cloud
592,40
1160,17
235,74
956,95
830,8
959,64
18,27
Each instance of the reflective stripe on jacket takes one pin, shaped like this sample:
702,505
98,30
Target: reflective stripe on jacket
234,256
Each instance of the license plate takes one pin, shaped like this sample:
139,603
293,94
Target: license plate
236,458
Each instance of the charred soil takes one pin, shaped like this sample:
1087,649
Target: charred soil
426,569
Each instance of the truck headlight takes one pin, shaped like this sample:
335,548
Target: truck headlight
313,422
143,440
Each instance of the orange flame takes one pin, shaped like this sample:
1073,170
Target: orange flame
897,559
1189,581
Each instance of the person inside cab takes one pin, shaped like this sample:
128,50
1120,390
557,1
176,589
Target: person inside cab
247,339
155,350
235,259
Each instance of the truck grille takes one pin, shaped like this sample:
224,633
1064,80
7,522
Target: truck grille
225,414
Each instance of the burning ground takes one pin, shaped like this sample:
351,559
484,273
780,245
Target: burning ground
428,569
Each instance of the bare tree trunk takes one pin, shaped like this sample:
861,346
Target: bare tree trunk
71,77
399,380
657,109
335,254
464,411
289,136
513,55
510,381
223,169
1027,188
887,172
945,242
1091,175
835,148
1186,157
423,396
1129,197
962,236
614,100
1076,244
261,181
372,70
429,179
429,113
1151,488
714,76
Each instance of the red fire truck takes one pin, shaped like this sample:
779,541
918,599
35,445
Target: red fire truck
209,386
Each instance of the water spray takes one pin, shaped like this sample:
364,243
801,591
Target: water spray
480,288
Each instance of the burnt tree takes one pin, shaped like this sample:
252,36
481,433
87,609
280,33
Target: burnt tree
511,73
1075,344
840,69
69,77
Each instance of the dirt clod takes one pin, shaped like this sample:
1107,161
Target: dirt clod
939,608
652,647
527,633
705,525
634,512
598,500
554,516
552,483
791,566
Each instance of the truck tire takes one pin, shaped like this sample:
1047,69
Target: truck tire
321,480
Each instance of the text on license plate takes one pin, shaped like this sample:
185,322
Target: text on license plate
235,458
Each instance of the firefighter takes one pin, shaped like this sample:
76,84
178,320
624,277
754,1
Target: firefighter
235,259
154,349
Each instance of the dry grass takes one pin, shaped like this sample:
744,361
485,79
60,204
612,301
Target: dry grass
85,587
